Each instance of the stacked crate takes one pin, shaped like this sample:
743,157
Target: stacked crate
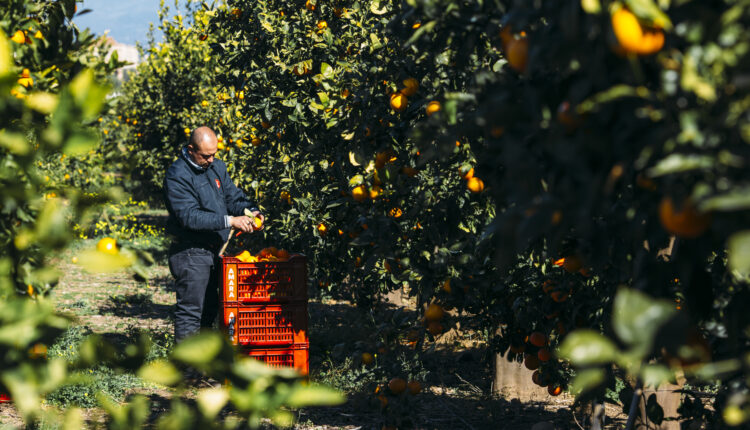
264,310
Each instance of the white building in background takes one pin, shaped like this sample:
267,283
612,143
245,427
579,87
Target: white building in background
127,53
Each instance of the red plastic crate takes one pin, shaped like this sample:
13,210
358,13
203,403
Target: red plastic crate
4,398
267,325
296,356
265,281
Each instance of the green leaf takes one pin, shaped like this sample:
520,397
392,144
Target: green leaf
81,143
160,372
377,9
636,317
591,6
586,380
735,200
42,102
588,347
739,252
198,350
654,375
14,142
649,11
676,163
314,395
211,401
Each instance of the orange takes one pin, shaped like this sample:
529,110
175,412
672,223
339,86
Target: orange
359,193
265,124
397,385
255,141
409,171
283,254
432,107
475,185
560,296
322,228
536,377
434,312
414,387
322,25
375,191
107,245
567,116
399,102
309,5
447,286
537,338
531,362
544,354
19,37
467,174
257,222
517,54
572,264
367,358
395,212
435,328
548,285
554,390
683,221
411,86
632,37
381,158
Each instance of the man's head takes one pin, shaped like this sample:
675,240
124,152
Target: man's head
203,146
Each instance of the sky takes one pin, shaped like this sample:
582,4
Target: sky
127,21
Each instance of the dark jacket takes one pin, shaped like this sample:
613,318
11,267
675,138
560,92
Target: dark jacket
198,201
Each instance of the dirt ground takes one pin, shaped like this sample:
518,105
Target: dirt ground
457,394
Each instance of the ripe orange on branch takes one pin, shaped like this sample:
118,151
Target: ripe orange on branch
397,385
683,220
432,107
434,312
634,38
537,338
475,185
399,102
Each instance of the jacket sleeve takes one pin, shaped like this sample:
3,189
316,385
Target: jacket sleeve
235,199
183,200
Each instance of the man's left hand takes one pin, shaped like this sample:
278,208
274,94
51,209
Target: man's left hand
255,216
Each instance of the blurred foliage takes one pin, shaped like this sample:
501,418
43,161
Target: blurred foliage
51,93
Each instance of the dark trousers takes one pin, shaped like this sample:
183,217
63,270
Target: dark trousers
196,272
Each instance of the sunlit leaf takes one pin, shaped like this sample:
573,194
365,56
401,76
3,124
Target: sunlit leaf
211,401
587,347
198,350
315,395
160,372
636,317
586,380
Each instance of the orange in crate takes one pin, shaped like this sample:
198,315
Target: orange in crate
264,281
4,398
266,325
296,356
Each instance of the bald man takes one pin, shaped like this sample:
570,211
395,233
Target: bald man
203,204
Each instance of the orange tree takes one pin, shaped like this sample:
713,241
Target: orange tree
611,127
314,104
50,96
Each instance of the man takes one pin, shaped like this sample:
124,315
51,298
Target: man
203,204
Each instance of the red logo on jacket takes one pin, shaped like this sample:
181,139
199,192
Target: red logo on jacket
218,184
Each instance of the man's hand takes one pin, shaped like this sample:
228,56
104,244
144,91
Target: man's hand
258,219
242,223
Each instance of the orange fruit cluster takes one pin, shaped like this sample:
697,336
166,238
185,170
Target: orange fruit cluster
265,254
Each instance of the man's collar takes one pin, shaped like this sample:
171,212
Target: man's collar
190,161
